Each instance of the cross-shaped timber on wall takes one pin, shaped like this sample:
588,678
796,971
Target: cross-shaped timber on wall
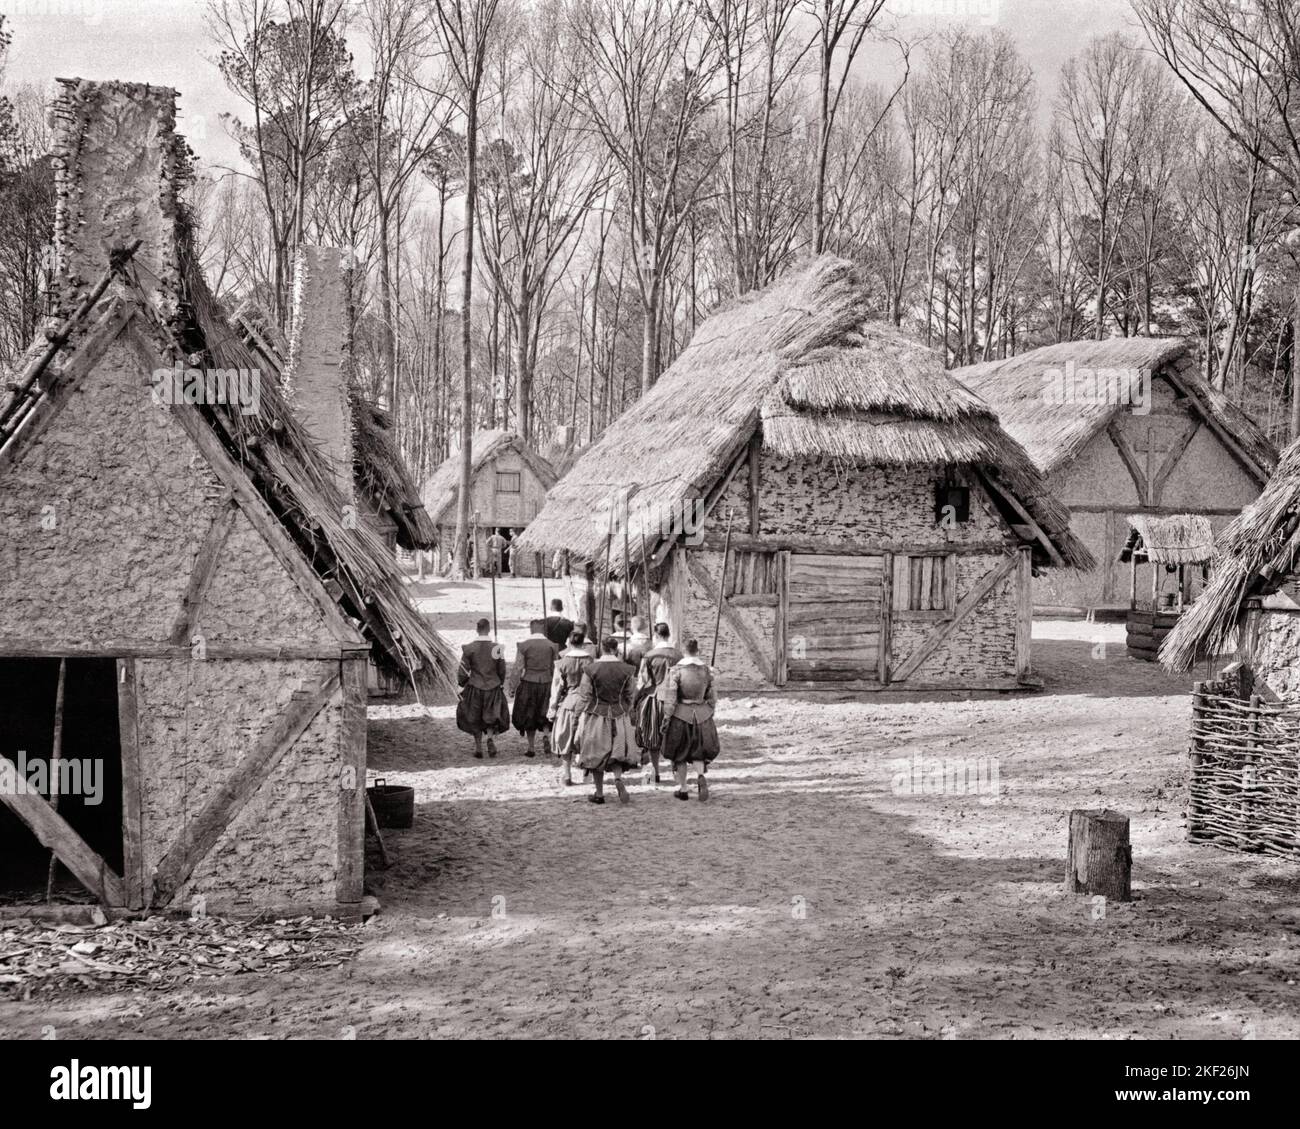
1151,459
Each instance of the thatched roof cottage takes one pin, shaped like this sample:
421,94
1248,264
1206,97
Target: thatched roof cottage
183,598
1120,427
884,527
508,486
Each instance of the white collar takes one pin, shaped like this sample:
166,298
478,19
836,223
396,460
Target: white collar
692,660
579,652
609,659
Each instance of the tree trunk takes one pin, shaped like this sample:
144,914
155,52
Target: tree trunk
1294,432
466,339
523,370
387,356
649,338
1100,859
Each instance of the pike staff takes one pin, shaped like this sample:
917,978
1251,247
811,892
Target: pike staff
722,588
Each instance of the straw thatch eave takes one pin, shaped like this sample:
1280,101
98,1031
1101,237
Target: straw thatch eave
799,364
1254,554
1169,538
1055,431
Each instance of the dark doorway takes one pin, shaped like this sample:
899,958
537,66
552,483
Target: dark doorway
90,776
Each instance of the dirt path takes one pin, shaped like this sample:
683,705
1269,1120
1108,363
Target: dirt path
814,895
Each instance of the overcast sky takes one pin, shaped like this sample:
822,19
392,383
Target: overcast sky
165,42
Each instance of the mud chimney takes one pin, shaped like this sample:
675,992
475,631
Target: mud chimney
118,165
315,380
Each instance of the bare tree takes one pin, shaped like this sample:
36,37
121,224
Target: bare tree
647,73
465,28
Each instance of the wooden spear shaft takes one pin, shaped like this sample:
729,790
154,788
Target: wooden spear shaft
722,589
627,576
55,756
541,571
604,584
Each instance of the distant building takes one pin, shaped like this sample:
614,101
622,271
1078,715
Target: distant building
508,487
1120,427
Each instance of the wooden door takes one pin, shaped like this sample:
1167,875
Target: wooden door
833,617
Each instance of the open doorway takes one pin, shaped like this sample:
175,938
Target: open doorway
88,773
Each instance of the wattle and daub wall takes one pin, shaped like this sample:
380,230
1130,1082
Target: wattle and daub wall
101,521
891,509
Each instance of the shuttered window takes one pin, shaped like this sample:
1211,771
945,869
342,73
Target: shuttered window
924,586
751,574
507,482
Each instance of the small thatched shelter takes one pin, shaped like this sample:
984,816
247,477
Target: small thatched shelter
1252,603
509,481
184,599
1118,427
883,527
1161,552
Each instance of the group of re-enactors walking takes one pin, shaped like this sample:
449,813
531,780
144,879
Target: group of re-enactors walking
639,701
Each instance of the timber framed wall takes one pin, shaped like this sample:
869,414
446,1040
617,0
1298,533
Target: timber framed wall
1171,460
909,602
127,534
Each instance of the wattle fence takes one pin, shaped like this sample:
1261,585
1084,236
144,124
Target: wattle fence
1244,792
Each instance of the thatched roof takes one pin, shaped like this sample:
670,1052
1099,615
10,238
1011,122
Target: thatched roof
1169,539
442,486
800,361
282,464
377,465
1055,430
1255,553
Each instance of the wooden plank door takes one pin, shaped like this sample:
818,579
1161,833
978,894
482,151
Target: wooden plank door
834,614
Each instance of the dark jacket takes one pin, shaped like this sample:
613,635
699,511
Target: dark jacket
567,678
481,665
608,687
656,665
689,693
558,630
534,661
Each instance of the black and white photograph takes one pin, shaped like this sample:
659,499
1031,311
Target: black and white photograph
651,520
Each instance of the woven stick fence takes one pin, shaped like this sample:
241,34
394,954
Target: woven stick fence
1244,793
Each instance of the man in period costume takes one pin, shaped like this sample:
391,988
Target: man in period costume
565,701
482,707
530,684
558,627
637,644
605,738
652,678
690,735
496,549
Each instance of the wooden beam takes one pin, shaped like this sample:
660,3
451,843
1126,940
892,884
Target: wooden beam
755,450
26,648
53,833
128,727
742,543
781,658
1221,433
1104,507
937,637
1172,459
205,568
233,795
1024,611
352,811
1126,452
737,622
1015,503
883,656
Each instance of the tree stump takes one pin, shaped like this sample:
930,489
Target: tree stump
1100,860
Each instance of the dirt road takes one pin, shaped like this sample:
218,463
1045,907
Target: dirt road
828,888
